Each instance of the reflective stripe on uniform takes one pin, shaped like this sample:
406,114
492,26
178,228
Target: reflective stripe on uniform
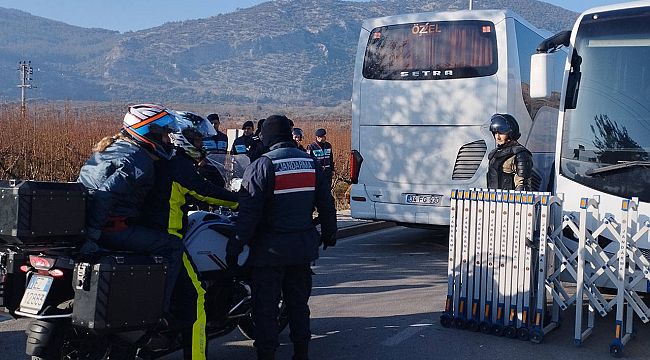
294,175
199,339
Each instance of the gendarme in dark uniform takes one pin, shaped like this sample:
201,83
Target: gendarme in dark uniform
322,151
242,144
217,143
278,194
511,164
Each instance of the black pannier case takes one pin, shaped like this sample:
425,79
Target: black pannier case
12,280
38,212
119,292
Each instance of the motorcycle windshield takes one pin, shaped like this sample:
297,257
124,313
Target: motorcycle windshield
231,168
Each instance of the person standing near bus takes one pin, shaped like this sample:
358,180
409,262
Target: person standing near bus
322,151
511,164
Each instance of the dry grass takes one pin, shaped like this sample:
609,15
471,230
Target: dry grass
51,142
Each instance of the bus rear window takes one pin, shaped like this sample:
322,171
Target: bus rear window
431,51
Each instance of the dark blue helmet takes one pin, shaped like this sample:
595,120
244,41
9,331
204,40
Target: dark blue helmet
505,124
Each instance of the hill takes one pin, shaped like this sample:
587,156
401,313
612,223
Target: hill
296,52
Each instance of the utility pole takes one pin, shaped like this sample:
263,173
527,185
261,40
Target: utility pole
26,71
470,4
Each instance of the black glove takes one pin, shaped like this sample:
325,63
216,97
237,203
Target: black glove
328,240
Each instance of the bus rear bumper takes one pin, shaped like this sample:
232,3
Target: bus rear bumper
413,214
362,207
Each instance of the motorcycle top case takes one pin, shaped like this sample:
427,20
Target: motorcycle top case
119,292
39,212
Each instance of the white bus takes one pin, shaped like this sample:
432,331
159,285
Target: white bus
425,86
603,146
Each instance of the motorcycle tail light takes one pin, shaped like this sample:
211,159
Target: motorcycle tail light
41,263
56,273
25,268
355,166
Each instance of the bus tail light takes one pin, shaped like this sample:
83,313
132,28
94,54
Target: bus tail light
355,165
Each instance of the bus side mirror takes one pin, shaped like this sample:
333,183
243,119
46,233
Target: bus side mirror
542,73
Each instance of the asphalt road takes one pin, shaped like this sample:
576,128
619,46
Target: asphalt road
379,296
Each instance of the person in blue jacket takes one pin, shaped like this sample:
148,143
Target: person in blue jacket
278,194
119,175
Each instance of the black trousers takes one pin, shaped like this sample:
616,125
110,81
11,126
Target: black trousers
269,284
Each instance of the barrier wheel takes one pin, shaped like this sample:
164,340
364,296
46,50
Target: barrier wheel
472,325
497,330
445,320
459,323
523,334
485,327
510,331
616,350
536,336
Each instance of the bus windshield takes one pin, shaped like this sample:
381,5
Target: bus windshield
431,51
606,138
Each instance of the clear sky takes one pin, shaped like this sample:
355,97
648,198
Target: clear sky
124,15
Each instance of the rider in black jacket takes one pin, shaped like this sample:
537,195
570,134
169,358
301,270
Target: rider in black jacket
177,180
511,164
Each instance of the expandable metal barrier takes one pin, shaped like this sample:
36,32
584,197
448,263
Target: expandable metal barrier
510,251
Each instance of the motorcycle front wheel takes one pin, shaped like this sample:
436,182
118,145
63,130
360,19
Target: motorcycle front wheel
246,324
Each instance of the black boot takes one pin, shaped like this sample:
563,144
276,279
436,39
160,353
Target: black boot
301,350
265,354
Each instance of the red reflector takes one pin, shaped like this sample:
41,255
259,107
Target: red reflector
376,36
41,262
25,268
355,166
487,29
56,273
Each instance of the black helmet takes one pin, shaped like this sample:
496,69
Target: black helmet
505,124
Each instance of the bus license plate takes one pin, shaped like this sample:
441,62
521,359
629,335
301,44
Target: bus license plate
424,199
35,294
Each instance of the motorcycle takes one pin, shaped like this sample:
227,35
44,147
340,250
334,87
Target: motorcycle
109,306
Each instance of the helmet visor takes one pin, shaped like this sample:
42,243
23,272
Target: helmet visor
190,120
164,124
499,124
206,128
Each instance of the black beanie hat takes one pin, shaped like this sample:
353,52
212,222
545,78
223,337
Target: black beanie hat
276,128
